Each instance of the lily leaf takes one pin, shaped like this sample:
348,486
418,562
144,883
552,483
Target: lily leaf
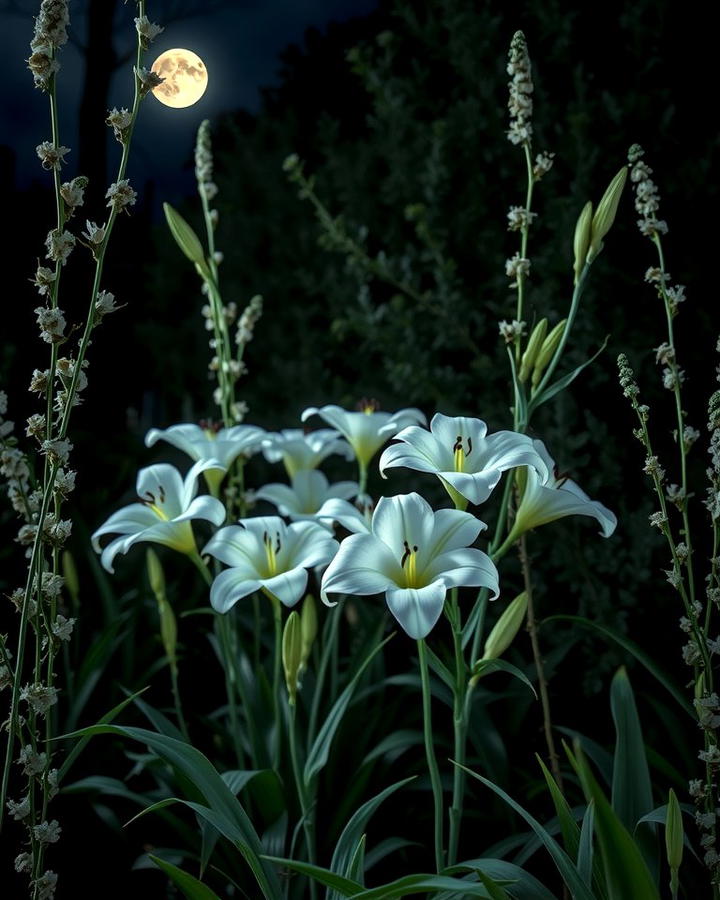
485,666
188,884
565,865
318,755
551,390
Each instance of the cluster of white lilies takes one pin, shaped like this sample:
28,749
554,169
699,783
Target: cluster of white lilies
400,547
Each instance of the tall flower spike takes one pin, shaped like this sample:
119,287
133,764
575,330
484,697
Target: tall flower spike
521,87
413,555
457,449
265,553
166,505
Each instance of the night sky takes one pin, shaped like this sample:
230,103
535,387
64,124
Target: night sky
239,43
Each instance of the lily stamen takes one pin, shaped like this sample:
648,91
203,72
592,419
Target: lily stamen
410,557
271,551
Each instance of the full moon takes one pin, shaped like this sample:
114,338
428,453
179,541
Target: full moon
185,78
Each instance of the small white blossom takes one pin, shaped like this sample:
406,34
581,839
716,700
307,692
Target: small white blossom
33,763
104,304
46,885
51,156
43,280
119,120
147,30
57,451
73,192
23,863
148,79
39,696
519,218
47,832
690,435
672,378
52,324
543,164
19,810
59,245
517,267
62,628
120,195
95,234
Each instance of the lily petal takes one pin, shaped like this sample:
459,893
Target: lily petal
363,565
229,587
289,586
417,609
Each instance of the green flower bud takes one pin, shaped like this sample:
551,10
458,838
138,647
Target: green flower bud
185,237
292,647
547,351
581,241
605,213
674,838
533,348
506,627
168,623
308,627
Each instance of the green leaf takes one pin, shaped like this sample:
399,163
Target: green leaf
566,820
521,884
346,887
188,884
318,755
521,404
637,652
627,877
551,390
565,865
353,831
225,812
422,884
396,744
631,796
440,669
585,845
356,867
83,742
484,667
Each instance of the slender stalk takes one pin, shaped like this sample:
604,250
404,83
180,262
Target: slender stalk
539,666
177,701
460,723
305,805
277,667
430,754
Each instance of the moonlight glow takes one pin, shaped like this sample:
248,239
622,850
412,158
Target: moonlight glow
185,78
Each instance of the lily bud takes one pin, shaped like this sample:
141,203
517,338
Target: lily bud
185,237
547,351
605,214
506,627
533,348
168,623
674,839
308,628
72,583
581,241
292,646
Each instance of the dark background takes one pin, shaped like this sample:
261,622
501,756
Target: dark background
415,118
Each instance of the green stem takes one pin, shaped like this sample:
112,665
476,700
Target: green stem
305,805
460,723
277,667
227,649
430,754
178,703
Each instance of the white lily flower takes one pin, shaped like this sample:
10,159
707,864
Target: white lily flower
414,555
223,445
355,520
310,489
166,505
551,496
457,449
366,431
301,450
264,552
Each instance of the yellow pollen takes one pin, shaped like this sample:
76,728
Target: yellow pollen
271,551
459,459
409,565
